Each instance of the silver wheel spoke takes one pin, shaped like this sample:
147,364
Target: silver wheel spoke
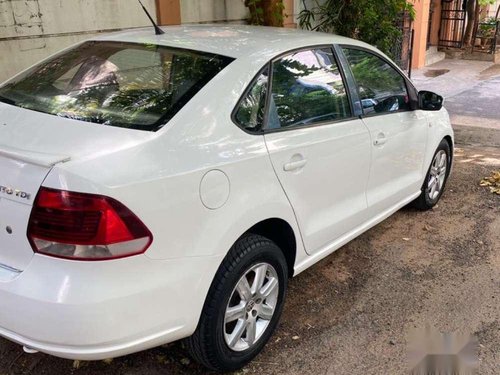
237,332
441,181
243,289
260,277
235,312
433,188
266,312
269,288
251,331
442,161
432,182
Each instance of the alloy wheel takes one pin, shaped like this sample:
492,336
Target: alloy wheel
437,175
251,307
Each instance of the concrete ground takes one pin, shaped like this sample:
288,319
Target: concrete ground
472,91
351,313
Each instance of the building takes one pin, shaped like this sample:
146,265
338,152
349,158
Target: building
439,26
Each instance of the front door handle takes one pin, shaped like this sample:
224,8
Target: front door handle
294,165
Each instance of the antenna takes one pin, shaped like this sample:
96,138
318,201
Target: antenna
158,31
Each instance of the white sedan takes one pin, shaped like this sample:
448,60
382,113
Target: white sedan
164,187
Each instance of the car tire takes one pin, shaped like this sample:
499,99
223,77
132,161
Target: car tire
435,180
215,343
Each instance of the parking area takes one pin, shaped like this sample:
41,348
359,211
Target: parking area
351,313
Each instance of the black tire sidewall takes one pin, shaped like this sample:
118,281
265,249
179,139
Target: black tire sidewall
266,252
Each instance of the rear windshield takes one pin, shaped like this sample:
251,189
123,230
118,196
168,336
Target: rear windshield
138,86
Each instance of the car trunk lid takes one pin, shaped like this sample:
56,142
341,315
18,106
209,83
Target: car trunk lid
21,174
31,144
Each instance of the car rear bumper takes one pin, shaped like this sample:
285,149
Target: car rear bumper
99,310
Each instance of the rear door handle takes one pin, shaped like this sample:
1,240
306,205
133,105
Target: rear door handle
380,140
294,165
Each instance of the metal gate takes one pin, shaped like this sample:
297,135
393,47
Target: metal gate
453,20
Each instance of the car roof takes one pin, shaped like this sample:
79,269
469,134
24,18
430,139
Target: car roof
235,41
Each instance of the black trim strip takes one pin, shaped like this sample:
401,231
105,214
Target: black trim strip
350,81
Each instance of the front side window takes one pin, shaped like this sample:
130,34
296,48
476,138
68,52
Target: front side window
138,86
250,111
307,88
382,88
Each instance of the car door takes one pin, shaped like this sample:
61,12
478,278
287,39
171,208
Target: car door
320,151
398,131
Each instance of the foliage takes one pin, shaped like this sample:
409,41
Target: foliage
372,74
488,27
486,2
473,13
266,12
493,182
368,20
305,93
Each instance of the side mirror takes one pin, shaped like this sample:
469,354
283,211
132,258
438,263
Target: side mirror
429,101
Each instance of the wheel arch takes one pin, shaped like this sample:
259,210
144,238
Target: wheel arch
282,234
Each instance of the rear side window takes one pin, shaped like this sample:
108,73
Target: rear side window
382,89
307,88
138,86
250,112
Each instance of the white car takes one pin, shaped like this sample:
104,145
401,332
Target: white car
163,187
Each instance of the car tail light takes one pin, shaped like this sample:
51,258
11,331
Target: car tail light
85,227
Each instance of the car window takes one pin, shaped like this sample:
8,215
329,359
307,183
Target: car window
138,86
382,88
250,111
307,88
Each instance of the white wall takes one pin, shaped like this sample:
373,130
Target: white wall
193,11
492,10
33,29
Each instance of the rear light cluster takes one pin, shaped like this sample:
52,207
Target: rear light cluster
85,227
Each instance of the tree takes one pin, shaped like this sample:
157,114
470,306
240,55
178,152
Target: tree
373,21
266,12
473,10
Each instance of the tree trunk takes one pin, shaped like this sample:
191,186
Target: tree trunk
266,12
471,21
273,13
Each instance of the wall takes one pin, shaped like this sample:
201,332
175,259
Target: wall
31,30
421,26
492,9
436,22
195,11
